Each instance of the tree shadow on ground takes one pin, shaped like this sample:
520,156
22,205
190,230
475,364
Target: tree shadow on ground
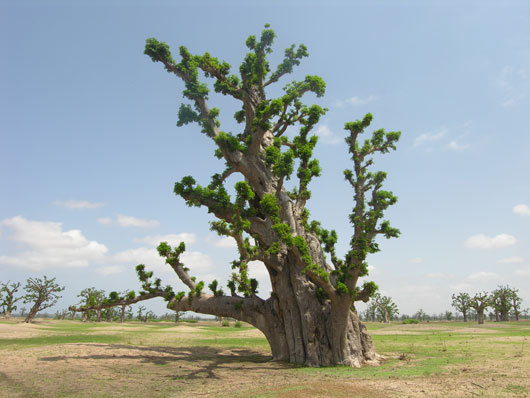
195,362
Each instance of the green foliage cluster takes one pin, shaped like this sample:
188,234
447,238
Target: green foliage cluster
7,297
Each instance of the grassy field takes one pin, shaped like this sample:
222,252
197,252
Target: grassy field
73,359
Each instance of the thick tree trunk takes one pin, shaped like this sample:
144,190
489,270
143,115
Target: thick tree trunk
298,326
480,317
32,313
465,315
122,314
314,333
7,315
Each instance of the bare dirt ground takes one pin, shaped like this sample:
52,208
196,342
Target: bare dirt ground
167,368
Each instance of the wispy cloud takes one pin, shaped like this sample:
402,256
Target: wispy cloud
105,220
483,276
416,260
326,135
78,204
172,239
426,140
355,101
522,210
128,221
482,241
514,84
45,245
111,269
456,146
523,271
511,260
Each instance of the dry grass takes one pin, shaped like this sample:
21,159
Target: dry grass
70,359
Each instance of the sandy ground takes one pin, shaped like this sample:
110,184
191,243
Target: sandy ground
97,370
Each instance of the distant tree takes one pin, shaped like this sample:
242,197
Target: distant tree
42,293
93,298
61,315
149,316
479,302
7,297
516,303
462,303
370,313
383,308
22,311
448,315
501,301
420,315
121,299
140,313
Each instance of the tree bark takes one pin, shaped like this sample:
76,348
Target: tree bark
7,315
299,328
480,317
32,312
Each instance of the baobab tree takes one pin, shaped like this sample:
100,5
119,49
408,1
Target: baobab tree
462,303
381,308
42,293
310,316
479,302
501,301
8,299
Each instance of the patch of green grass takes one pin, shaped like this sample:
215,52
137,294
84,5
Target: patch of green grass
516,389
59,339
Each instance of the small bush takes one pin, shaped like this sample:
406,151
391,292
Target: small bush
409,321
225,323
238,324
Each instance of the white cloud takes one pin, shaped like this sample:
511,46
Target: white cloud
511,260
523,210
482,241
455,146
483,276
111,269
355,101
427,139
105,220
78,204
128,221
416,260
197,262
45,245
171,239
327,135
523,271
225,242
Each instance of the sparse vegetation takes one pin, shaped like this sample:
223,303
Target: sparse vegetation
137,359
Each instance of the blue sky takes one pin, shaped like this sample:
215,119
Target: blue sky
89,148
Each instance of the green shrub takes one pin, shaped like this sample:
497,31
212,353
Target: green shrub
238,324
409,321
225,323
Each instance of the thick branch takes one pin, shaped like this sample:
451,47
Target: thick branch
124,302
